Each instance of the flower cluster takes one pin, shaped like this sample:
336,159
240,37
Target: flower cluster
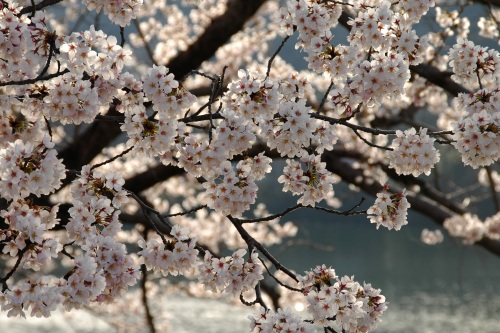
471,229
431,237
89,219
120,12
488,28
29,168
84,283
100,274
313,21
492,226
467,226
71,100
97,199
482,100
233,191
477,138
27,224
452,22
15,125
94,53
383,77
118,268
233,136
413,153
371,28
281,321
24,43
411,46
174,257
168,96
470,62
310,18
314,183
251,97
413,10
292,131
341,302
230,274
148,136
95,185
39,295
389,210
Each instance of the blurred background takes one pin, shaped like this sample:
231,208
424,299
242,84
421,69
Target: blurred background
449,287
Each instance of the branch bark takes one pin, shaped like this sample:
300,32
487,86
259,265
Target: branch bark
432,209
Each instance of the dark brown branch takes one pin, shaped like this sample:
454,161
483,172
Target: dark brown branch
90,143
291,209
185,212
278,280
432,209
39,6
494,194
275,54
443,80
144,280
252,242
123,153
147,47
152,176
325,96
20,255
37,79
216,34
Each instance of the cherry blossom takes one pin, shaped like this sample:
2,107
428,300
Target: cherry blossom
230,274
314,183
467,226
389,210
29,168
431,237
162,137
413,153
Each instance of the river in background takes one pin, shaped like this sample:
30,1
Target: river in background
444,288
440,289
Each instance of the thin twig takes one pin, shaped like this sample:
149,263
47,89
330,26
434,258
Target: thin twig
252,241
122,36
147,47
30,81
65,252
155,218
185,212
38,6
275,54
49,128
494,194
325,96
20,255
355,130
112,158
270,217
277,280
144,280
